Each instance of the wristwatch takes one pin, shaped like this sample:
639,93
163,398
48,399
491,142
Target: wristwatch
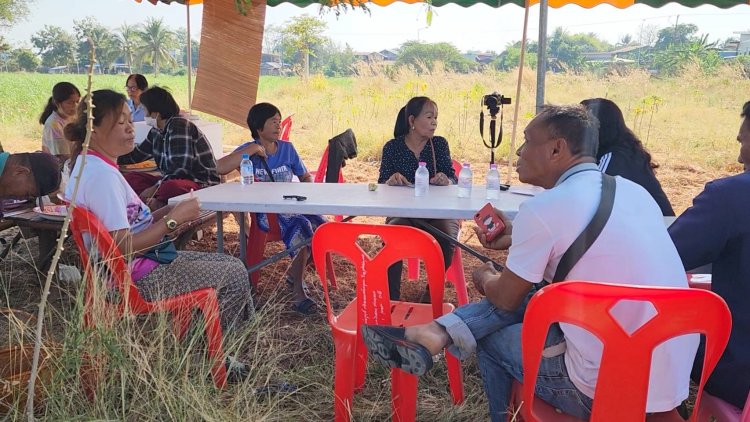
171,223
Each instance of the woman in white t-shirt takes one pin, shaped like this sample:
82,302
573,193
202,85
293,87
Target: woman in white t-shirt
60,107
104,192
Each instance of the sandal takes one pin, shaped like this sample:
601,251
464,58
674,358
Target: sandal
307,307
278,388
390,347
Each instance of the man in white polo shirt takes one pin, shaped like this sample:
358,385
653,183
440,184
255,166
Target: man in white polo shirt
633,248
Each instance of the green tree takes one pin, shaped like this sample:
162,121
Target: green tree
511,57
55,45
195,45
625,41
568,48
24,59
303,34
418,54
679,34
333,60
156,43
128,43
107,48
13,11
672,60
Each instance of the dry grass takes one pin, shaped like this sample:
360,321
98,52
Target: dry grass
689,124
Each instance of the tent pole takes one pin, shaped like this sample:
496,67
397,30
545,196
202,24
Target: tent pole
541,65
189,61
512,150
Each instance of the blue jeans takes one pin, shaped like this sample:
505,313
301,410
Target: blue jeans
495,335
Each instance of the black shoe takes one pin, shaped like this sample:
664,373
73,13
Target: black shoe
390,347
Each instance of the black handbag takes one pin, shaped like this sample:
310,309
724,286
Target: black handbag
164,252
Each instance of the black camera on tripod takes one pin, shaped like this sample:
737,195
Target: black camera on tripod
494,101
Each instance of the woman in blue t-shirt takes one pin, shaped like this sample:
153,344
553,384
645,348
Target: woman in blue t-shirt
269,154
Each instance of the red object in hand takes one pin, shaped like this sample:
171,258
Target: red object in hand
489,222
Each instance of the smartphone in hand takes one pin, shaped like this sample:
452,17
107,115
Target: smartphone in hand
489,222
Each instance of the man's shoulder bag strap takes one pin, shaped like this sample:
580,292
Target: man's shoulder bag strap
584,241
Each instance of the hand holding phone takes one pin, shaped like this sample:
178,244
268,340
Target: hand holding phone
489,222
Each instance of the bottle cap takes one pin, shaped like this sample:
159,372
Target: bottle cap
493,166
245,156
466,164
422,163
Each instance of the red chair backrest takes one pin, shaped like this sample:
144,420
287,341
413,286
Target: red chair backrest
85,222
456,166
622,384
400,242
286,128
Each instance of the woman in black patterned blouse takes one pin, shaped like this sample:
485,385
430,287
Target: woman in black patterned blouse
415,141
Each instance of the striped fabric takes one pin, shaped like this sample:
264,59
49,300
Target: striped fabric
604,162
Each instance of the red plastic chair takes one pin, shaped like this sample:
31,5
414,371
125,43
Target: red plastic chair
455,273
722,411
286,128
624,372
319,175
181,307
256,246
373,306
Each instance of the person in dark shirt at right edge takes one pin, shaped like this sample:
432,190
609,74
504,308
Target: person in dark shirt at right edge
716,231
621,153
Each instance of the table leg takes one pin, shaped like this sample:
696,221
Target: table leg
220,231
47,243
242,239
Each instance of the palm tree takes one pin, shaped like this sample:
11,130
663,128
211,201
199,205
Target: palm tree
157,41
127,41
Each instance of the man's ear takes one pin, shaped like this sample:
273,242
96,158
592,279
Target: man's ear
20,171
558,147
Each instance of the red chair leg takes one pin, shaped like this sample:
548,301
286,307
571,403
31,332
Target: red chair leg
256,246
403,396
455,378
181,322
343,381
360,365
214,339
455,275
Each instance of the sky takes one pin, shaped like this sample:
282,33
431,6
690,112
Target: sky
478,27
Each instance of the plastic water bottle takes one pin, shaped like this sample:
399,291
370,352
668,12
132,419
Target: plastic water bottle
421,180
464,181
247,174
493,182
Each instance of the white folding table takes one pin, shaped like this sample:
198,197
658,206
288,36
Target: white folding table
345,199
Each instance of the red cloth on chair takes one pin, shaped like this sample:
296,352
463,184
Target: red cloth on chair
168,189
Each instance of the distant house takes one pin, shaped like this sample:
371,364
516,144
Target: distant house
369,58
269,57
744,46
58,69
389,55
610,56
271,69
